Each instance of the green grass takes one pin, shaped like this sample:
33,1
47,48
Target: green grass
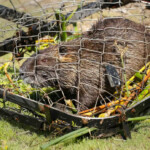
18,136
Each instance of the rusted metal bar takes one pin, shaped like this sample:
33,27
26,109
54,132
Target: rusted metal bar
35,123
55,113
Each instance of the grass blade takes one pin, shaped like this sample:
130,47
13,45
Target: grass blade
138,118
68,137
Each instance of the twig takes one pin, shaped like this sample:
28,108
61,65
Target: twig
6,73
8,77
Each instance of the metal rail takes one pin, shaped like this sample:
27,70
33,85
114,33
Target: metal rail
52,113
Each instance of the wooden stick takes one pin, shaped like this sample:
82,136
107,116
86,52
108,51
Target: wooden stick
8,77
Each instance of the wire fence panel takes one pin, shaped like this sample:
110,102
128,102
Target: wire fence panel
88,58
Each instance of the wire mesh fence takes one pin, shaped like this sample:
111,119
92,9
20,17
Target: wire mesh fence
89,58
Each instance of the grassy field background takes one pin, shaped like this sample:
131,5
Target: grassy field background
16,136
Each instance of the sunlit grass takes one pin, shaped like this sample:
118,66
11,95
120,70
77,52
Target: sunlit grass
19,136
